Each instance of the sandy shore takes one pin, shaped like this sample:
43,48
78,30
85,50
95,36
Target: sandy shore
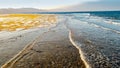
52,49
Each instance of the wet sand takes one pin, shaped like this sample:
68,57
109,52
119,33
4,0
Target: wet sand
14,42
52,49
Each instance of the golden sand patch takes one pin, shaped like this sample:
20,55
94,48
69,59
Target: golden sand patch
13,22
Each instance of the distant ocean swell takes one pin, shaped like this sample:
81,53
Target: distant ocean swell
101,21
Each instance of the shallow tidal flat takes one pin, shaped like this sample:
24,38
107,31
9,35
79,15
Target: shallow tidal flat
52,49
49,48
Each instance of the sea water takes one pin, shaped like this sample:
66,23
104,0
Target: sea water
98,35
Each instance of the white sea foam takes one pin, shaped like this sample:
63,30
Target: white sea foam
77,45
80,51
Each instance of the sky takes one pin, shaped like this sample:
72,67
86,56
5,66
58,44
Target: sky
78,5
100,5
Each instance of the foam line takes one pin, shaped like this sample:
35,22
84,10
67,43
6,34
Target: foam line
80,51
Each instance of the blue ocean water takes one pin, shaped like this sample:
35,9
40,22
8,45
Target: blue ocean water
107,14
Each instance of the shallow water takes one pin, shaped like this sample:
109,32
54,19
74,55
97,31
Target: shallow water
98,39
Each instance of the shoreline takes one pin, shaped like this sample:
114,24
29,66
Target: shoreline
56,46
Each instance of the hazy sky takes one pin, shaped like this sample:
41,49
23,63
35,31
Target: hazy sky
101,5
70,4
42,4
